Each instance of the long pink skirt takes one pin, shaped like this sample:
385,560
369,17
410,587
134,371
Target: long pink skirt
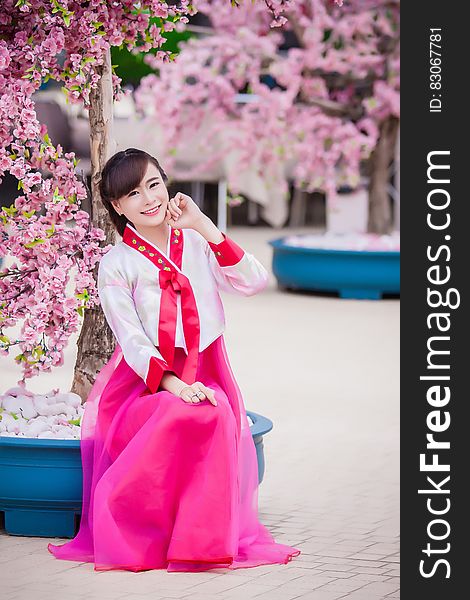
167,484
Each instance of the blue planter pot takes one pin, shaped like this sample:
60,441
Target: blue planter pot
261,426
40,486
41,482
361,274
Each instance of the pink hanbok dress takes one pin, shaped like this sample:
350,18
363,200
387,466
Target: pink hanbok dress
167,484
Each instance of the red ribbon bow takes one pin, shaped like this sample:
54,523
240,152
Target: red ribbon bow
172,282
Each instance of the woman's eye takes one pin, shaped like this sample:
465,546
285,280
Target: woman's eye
136,191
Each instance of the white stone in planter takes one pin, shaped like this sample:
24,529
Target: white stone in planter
351,242
46,405
36,428
53,415
8,423
23,404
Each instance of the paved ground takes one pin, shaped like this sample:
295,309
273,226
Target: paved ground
326,371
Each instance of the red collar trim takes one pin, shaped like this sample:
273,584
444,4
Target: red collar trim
160,260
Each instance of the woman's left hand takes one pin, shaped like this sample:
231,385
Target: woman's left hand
182,212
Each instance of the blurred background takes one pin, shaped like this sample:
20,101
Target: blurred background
256,202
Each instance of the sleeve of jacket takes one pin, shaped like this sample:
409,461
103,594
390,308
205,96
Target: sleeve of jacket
119,309
235,271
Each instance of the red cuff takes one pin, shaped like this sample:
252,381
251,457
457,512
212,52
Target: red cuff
227,253
156,369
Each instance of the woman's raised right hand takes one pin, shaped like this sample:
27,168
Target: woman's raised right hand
197,392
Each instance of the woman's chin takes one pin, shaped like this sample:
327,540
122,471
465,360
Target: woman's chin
152,220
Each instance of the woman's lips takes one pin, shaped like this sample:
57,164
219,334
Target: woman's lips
152,212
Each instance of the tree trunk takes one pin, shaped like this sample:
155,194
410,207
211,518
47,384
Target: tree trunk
96,342
380,213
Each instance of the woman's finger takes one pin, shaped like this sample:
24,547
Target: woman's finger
199,388
194,399
170,204
210,395
200,396
170,218
173,214
197,395
186,394
174,207
182,200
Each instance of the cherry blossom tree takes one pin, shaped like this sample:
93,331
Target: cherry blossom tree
55,245
49,236
335,102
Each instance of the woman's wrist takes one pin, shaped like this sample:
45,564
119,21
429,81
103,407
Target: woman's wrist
173,384
208,230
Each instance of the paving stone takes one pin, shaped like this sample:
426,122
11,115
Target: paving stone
383,587
249,590
321,595
338,567
369,577
343,585
394,580
394,572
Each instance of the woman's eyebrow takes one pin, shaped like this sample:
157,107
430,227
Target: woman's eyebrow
148,181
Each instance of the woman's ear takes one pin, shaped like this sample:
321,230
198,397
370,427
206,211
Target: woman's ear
116,208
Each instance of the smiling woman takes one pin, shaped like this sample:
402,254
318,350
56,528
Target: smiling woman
170,473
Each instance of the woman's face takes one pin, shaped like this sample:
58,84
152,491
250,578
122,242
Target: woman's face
146,204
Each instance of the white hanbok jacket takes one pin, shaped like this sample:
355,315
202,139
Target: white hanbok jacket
155,301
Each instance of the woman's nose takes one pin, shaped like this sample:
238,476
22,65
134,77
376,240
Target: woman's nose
147,198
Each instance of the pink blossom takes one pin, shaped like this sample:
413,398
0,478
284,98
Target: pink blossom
4,56
278,124
32,179
18,169
37,42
